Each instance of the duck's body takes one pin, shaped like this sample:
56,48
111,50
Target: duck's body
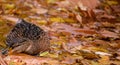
28,38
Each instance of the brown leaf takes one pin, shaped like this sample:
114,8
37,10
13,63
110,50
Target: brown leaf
67,29
68,60
2,62
106,33
88,54
64,4
85,62
10,18
86,4
86,32
115,44
98,11
104,60
72,47
101,44
79,18
40,10
29,60
116,8
107,16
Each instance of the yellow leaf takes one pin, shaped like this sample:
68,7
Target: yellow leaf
104,60
53,55
42,22
112,2
9,6
57,19
94,63
12,63
51,1
68,20
44,53
99,49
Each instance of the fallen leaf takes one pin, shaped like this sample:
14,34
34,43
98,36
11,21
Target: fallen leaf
107,16
87,54
44,53
29,60
10,18
85,62
64,28
101,44
72,47
116,8
86,4
51,1
9,6
40,10
79,18
112,2
103,53
86,31
57,19
68,60
106,33
64,4
104,60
